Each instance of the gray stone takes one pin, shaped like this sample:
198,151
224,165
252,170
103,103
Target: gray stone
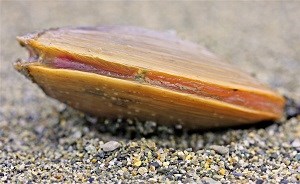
110,146
296,143
219,149
208,180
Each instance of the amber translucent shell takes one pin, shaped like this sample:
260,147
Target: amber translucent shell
117,71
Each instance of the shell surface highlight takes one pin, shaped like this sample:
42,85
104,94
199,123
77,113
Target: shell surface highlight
119,71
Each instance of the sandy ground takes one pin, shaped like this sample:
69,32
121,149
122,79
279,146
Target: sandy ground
261,38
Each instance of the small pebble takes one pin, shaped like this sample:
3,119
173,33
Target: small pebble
296,143
120,172
297,157
91,149
152,180
142,170
137,162
110,146
165,164
259,181
284,181
180,154
208,180
274,156
151,145
236,174
155,164
219,149
222,171
91,180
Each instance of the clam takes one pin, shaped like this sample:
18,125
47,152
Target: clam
120,71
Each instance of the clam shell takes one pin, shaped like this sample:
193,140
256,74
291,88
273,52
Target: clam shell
119,71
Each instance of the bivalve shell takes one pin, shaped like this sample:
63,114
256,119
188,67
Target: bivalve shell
119,71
